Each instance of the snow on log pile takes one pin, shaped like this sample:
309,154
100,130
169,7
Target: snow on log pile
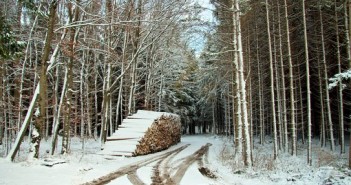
143,133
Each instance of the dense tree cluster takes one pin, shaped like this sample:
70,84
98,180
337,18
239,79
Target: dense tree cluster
269,69
291,50
77,68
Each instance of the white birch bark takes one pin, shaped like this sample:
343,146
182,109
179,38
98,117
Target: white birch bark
238,137
246,131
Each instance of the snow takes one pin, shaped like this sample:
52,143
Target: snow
339,77
80,166
124,140
25,122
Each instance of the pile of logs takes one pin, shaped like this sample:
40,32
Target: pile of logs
164,132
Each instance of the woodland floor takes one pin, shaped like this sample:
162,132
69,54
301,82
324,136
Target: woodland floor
199,159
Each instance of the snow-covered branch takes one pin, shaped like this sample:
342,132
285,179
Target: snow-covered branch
338,78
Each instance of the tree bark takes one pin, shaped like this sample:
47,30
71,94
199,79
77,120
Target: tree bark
349,55
309,121
246,129
284,107
325,72
321,99
42,91
275,150
291,80
68,102
239,120
340,86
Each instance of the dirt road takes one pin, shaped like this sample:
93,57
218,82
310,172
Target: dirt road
168,168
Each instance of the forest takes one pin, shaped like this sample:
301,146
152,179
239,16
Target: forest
267,69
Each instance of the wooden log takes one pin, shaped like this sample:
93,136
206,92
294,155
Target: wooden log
164,132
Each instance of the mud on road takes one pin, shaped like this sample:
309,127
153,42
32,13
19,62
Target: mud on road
165,171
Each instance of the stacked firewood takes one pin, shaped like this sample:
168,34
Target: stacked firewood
164,132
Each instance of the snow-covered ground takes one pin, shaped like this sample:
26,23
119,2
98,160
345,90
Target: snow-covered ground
81,167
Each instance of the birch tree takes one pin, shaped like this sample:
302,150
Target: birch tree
242,84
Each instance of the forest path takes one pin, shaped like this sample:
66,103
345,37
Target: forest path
166,168
179,170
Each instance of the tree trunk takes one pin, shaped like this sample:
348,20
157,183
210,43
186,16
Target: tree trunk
300,113
240,62
81,90
284,107
131,102
42,87
260,100
321,99
96,90
238,123
340,86
309,122
275,150
27,52
58,115
291,80
349,54
325,72
68,103
2,102
88,110
119,111
160,94
105,104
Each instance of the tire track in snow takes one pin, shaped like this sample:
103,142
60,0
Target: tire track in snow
134,179
131,169
158,177
187,162
166,171
202,161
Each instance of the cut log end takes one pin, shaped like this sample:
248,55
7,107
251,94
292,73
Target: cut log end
164,132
